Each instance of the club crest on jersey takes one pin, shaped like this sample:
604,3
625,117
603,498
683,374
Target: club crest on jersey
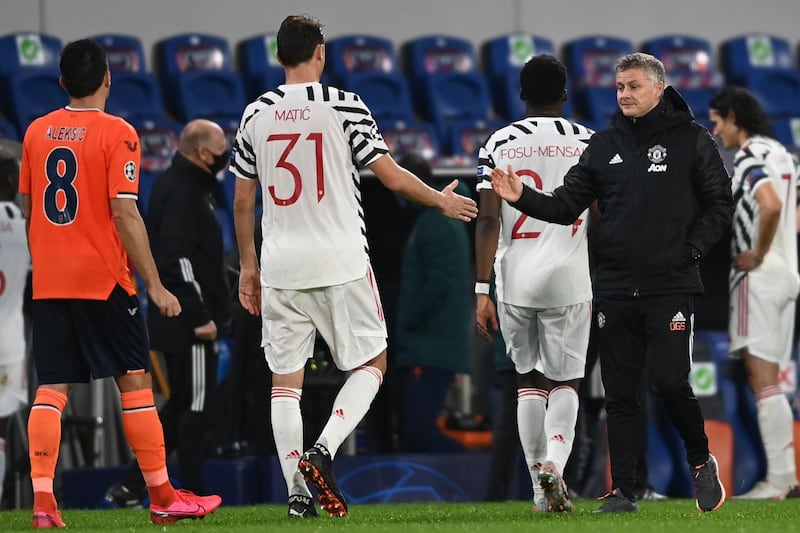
130,171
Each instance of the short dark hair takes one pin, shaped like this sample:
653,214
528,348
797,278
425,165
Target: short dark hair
83,66
9,175
297,38
749,115
542,80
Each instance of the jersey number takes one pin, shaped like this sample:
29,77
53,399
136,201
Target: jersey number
515,230
283,162
61,168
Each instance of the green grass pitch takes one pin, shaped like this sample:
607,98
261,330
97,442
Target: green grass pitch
654,517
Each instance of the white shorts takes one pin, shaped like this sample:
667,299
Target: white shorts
552,341
762,318
349,318
13,388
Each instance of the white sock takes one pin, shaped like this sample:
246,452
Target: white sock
287,429
531,408
350,406
777,433
559,425
2,466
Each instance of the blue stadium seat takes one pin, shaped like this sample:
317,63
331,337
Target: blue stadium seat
410,137
689,65
197,77
764,64
787,131
590,64
367,65
159,140
33,93
8,131
467,136
29,76
135,93
258,64
503,58
22,51
446,86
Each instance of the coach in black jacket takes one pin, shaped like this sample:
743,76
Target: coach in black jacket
187,244
665,199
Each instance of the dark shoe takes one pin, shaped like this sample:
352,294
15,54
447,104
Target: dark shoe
708,489
301,507
616,502
119,495
555,490
317,467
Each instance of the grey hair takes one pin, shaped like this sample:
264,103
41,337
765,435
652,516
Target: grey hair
650,65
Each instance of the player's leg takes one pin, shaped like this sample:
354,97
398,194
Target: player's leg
288,338
564,338
59,363
114,343
350,319
520,334
763,352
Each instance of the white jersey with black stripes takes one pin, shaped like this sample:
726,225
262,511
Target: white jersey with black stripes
538,264
303,142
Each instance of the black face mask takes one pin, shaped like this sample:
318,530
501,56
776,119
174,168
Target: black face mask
220,162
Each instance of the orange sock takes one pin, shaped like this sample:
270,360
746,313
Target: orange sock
44,438
146,438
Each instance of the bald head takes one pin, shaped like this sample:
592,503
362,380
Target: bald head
203,143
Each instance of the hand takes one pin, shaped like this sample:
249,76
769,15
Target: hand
747,261
206,332
168,305
250,290
507,185
485,316
457,206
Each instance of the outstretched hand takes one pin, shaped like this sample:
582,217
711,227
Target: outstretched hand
507,185
456,206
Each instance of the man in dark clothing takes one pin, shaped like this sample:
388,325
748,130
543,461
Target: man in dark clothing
186,240
665,199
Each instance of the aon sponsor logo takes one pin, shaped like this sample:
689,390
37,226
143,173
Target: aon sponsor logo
654,167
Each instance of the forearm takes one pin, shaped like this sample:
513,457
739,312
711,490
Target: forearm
767,228
133,235
244,223
545,207
487,232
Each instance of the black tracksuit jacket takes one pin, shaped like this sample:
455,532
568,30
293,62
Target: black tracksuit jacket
661,189
187,245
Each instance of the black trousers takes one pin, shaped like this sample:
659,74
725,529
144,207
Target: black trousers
188,416
647,339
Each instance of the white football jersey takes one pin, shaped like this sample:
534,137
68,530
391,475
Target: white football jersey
15,262
764,160
538,264
302,142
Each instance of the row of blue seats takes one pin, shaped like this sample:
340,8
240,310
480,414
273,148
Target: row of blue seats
442,80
